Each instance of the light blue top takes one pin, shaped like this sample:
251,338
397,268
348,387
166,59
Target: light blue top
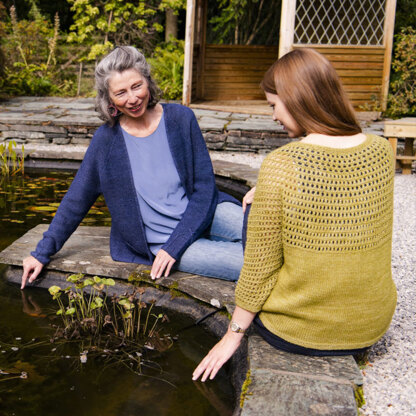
161,196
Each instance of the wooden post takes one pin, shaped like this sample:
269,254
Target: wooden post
388,48
287,26
79,79
202,29
189,48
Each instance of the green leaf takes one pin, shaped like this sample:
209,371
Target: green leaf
88,282
75,278
70,311
97,279
54,290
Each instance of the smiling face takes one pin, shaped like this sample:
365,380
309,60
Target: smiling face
129,92
281,114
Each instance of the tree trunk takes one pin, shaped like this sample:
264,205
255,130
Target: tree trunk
171,27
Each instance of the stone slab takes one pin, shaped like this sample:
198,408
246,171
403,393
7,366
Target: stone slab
87,251
211,123
336,369
55,151
291,395
211,113
252,125
44,128
236,171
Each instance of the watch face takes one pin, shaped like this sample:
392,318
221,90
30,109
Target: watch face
234,327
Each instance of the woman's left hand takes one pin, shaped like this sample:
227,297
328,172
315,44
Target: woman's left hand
162,264
218,356
248,198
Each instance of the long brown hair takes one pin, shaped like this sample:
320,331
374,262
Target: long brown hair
312,92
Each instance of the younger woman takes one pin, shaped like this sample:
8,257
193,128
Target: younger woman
316,277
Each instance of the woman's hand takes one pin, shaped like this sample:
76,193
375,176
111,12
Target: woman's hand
248,198
163,263
224,349
31,270
218,356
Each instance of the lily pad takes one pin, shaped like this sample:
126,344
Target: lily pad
44,208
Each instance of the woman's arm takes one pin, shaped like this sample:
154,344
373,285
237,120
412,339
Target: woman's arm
76,203
264,248
225,348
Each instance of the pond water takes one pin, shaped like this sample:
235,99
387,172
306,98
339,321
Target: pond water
57,382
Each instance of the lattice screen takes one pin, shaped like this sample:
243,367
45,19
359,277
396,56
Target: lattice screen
340,22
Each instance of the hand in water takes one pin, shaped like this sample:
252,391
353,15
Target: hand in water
31,270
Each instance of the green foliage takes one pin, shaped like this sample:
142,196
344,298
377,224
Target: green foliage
405,15
101,24
11,161
3,15
167,68
402,98
244,22
29,79
30,47
175,5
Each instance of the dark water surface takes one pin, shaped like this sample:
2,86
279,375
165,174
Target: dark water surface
57,383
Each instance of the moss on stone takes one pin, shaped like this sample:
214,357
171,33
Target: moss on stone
359,396
137,277
224,312
174,293
244,388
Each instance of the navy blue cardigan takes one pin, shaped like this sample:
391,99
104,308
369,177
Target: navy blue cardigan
106,170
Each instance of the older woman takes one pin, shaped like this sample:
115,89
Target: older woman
152,166
317,276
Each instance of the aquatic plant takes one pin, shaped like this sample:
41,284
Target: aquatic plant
12,162
115,327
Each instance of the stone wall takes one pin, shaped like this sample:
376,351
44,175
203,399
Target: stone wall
43,124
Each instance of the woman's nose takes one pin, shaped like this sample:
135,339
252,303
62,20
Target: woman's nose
132,98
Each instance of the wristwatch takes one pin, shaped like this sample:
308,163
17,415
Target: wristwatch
235,327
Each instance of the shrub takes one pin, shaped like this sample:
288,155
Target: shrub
167,68
402,98
30,49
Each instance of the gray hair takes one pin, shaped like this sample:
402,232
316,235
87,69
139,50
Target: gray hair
121,59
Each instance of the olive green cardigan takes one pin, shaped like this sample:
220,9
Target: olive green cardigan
317,264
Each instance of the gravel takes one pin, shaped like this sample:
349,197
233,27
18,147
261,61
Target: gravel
390,376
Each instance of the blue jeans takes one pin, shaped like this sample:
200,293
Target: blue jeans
219,251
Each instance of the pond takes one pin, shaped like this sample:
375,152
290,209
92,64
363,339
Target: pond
57,382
